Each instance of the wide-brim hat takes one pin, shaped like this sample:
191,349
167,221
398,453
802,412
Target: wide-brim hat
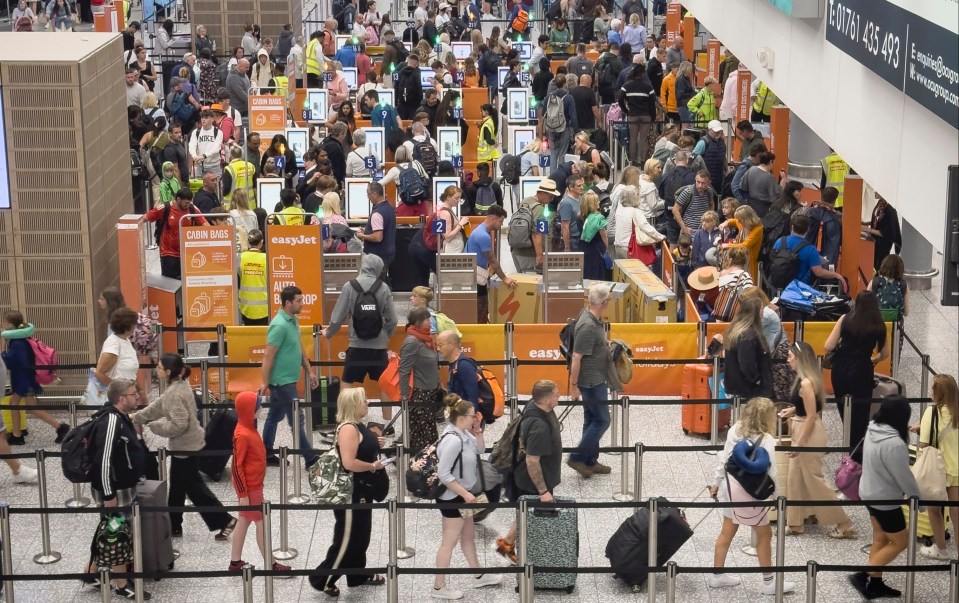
704,279
548,186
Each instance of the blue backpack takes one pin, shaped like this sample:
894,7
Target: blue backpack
182,109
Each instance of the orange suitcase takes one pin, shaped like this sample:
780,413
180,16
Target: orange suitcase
696,417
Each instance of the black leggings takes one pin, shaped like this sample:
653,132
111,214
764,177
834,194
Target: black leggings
859,385
351,538
185,481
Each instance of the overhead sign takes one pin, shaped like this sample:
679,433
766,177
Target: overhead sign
294,257
910,52
208,263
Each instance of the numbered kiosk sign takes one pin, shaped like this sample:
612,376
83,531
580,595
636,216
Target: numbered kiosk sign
327,76
370,162
542,226
439,227
457,161
544,161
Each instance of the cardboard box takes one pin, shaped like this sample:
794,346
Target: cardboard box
522,305
652,300
618,308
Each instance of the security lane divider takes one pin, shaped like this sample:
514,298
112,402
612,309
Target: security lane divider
671,570
78,500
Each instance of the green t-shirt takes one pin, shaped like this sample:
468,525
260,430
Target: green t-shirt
284,333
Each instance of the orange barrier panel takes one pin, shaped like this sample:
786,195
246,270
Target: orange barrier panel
779,138
816,333
716,328
363,123
483,342
652,340
667,266
538,342
856,258
743,106
334,349
713,58
689,31
473,99
248,344
692,316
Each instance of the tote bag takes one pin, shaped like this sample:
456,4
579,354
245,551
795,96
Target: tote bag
930,466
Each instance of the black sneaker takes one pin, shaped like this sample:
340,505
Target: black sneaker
93,582
62,432
16,440
877,589
127,592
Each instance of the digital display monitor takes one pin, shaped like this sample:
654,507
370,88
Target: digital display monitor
462,50
525,50
351,76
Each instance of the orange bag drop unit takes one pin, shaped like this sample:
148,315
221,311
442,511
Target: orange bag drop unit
696,417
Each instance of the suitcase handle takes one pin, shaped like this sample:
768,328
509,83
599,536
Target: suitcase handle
541,512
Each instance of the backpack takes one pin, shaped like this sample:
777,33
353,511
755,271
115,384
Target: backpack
406,85
144,338
430,239
555,118
401,53
615,113
566,337
492,402
371,38
891,298
775,226
520,234
421,479
507,449
411,185
76,459
113,541
344,240
445,323
783,264
485,199
367,317
622,356
424,152
181,107
599,139
606,77
605,201
520,21
44,355
509,167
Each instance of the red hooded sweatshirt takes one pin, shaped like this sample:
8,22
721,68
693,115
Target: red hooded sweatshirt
249,453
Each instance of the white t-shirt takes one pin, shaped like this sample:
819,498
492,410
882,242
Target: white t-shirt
356,163
127,363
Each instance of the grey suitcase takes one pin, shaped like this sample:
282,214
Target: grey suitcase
552,541
884,386
156,530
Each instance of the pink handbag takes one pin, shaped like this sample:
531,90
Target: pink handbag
848,474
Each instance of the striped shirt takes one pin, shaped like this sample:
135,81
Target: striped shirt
693,205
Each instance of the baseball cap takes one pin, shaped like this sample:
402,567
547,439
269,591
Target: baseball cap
715,126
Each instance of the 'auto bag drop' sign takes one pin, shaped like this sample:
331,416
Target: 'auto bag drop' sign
295,257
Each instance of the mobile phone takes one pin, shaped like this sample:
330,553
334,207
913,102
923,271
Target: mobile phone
387,461
714,347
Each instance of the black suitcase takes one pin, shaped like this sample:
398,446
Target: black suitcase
219,436
326,394
628,547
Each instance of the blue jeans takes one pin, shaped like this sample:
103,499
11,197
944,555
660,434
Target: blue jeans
595,423
281,405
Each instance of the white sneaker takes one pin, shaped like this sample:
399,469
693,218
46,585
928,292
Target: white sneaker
27,475
722,580
934,552
769,588
487,580
450,594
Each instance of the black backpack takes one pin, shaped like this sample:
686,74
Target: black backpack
367,317
401,53
509,167
783,265
424,152
566,336
406,85
77,459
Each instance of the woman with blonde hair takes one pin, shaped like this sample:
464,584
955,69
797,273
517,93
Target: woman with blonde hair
631,222
332,215
529,158
629,177
784,375
748,361
151,106
458,455
476,37
755,425
471,74
592,240
649,199
666,143
806,481
685,90
750,235
359,450
423,50
734,274
939,427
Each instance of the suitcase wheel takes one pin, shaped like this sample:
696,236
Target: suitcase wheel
569,590
685,432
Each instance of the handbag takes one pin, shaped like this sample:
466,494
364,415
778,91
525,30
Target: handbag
828,359
930,466
330,482
389,380
607,260
727,302
96,393
374,485
481,495
632,250
848,475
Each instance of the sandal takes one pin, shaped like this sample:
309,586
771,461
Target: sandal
506,550
331,591
836,533
791,531
374,580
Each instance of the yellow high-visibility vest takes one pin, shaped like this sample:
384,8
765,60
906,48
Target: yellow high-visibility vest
254,296
836,170
484,150
766,99
242,174
312,65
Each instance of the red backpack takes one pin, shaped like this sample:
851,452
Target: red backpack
430,239
44,355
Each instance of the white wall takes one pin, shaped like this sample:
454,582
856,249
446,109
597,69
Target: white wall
895,144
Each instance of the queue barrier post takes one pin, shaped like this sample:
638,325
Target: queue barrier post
161,462
106,593
624,494
653,544
47,555
638,471
923,382
780,545
525,580
750,549
734,415
953,580
392,579
137,520
614,429
909,592
267,551
161,387
285,552
402,464
513,407
307,417
812,573
714,409
247,583
78,500
297,497
221,358
671,573
847,420
7,564
204,391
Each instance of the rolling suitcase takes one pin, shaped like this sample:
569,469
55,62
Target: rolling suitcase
219,436
882,387
552,541
326,394
696,417
156,530
629,545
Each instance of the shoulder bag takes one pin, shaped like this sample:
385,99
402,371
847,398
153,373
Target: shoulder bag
330,482
930,466
848,474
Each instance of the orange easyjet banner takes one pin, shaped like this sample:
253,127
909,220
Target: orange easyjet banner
267,117
248,344
538,342
483,343
294,257
334,350
816,334
654,340
208,259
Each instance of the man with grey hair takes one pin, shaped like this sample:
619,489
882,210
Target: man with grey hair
379,234
238,86
118,459
587,379
356,160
